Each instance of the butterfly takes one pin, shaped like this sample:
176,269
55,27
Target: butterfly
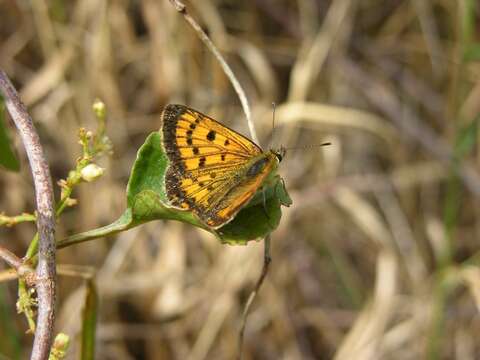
213,171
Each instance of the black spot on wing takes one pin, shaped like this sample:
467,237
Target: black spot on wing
211,135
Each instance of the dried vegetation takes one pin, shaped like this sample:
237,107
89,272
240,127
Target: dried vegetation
378,256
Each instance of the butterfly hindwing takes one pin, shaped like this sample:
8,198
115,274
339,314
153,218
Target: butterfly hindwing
213,170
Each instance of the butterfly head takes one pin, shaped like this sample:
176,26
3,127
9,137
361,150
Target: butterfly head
280,153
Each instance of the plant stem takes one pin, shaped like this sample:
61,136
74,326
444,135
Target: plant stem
46,269
182,9
10,258
13,220
266,263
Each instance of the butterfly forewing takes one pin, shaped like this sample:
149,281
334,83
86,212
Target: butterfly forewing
208,172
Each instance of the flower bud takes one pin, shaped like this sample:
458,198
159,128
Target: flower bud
99,109
91,172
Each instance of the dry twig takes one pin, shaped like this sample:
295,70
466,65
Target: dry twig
182,9
22,268
45,282
266,263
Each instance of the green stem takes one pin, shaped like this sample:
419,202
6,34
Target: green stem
13,220
33,247
89,323
63,201
125,222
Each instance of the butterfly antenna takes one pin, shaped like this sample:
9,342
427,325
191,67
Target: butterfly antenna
308,146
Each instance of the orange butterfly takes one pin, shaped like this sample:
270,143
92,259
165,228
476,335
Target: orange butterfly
213,170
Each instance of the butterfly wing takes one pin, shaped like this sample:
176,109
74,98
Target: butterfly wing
236,196
208,172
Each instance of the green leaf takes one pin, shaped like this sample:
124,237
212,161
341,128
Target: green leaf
147,201
8,158
146,195
89,324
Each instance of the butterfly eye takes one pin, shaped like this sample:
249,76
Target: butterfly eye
279,153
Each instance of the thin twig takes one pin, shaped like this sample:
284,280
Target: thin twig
23,269
8,275
46,275
76,271
182,9
10,258
13,220
266,263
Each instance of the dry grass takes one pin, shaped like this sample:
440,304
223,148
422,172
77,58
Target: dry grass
378,256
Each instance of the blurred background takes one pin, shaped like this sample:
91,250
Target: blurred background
378,256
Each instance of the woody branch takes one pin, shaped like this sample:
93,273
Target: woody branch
45,281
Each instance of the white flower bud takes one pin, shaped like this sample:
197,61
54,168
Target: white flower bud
91,172
99,108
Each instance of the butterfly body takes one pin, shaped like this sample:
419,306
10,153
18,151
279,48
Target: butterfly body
213,171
